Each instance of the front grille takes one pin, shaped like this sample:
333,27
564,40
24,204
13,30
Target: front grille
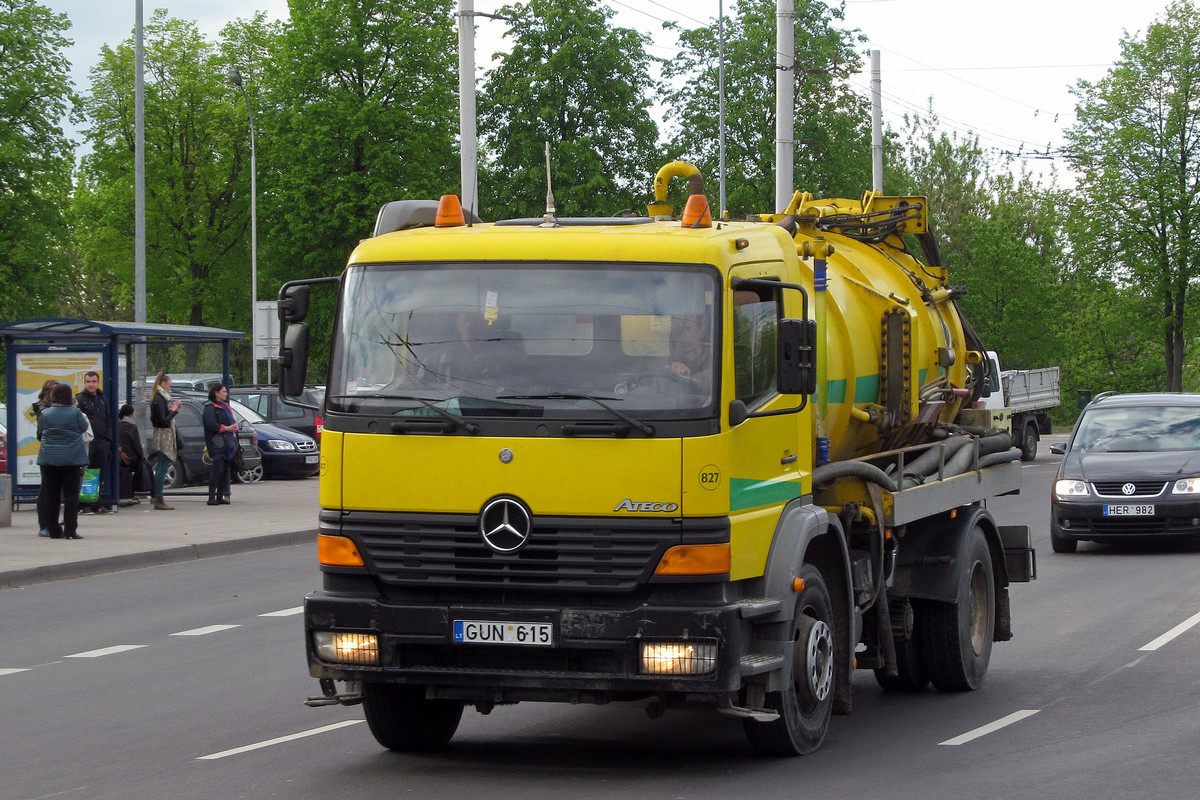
447,551
307,446
1141,488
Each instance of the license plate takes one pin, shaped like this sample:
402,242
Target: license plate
311,459
1129,511
476,631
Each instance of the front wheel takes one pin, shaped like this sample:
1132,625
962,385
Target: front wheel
956,638
401,718
805,706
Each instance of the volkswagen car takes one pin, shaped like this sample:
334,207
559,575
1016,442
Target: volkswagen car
1130,470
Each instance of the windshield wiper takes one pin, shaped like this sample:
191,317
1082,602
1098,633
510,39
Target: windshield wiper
467,425
646,430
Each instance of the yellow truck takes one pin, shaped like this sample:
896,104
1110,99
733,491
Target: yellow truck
658,459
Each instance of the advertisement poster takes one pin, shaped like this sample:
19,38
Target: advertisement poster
33,370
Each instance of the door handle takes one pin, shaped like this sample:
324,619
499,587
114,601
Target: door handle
792,459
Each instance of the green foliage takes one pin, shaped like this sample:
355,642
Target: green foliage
833,135
1137,141
575,81
35,159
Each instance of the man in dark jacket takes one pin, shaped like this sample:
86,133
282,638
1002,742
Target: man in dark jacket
92,403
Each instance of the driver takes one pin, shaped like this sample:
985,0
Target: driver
691,355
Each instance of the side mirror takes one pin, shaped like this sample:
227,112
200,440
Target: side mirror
797,357
293,358
293,304
1058,449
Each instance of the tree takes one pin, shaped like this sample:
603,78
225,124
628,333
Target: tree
833,135
36,158
1137,144
575,81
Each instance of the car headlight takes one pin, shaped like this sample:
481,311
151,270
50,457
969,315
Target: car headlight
1186,486
1070,489
280,444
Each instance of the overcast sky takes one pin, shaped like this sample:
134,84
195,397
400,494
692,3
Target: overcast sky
1000,69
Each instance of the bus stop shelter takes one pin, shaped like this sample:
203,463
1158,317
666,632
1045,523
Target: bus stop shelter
37,350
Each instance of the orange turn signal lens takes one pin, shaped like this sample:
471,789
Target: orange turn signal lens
338,551
449,212
694,559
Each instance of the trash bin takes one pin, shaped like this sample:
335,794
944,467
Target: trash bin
5,500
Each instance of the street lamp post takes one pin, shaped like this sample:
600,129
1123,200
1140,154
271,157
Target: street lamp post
235,78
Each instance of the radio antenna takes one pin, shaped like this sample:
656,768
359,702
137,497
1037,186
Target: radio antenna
548,220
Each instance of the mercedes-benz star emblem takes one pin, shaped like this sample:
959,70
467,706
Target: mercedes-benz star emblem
1128,488
505,525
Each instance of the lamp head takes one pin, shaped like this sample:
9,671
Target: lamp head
235,76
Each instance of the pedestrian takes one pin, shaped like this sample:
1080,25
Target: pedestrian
133,457
43,402
162,417
94,405
220,437
62,457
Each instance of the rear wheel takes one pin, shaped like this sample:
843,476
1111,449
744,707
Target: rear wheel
806,704
252,475
956,638
173,479
401,718
1029,441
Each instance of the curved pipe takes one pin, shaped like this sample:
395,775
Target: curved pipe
828,473
677,169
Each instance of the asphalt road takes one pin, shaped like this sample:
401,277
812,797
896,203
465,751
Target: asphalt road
187,681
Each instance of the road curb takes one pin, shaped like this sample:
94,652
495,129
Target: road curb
152,558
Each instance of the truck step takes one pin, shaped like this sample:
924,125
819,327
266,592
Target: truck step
759,606
758,663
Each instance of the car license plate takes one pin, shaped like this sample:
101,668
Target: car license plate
1129,511
477,631
312,459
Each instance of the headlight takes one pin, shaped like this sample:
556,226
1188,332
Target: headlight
347,648
1070,488
1186,486
678,658
280,444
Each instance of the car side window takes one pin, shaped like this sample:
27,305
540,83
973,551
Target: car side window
188,417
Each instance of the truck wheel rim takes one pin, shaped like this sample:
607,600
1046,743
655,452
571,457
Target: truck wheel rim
978,610
814,660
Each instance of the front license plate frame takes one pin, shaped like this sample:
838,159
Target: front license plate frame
491,631
1137,510
312,459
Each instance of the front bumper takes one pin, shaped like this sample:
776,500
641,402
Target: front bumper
595,656
1086,519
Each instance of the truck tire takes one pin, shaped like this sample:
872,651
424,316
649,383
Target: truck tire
956,638
911,673
1029,442
401,718
806,705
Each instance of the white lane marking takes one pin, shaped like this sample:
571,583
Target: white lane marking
11,671
106,651
1186,625
206,630
287,612
991,727
270,742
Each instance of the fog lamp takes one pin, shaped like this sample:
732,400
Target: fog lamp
347,648
678,658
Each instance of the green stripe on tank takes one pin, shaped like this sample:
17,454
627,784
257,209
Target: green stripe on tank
745,493
866,389
836,391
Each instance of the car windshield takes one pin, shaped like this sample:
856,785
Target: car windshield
245,412
526,340
1140,429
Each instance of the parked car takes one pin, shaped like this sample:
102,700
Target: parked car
1131,469
286,453
266,402
192,465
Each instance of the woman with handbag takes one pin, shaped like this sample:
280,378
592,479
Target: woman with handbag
129,447
220,437
61,457
162,417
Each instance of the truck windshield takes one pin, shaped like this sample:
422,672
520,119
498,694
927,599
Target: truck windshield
557,340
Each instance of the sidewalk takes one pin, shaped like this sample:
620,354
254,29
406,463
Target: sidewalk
262,515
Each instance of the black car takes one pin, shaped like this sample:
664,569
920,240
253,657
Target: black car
266,402
1130,470
192,465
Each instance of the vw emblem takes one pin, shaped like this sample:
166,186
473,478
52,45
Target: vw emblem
505,525
1128,488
